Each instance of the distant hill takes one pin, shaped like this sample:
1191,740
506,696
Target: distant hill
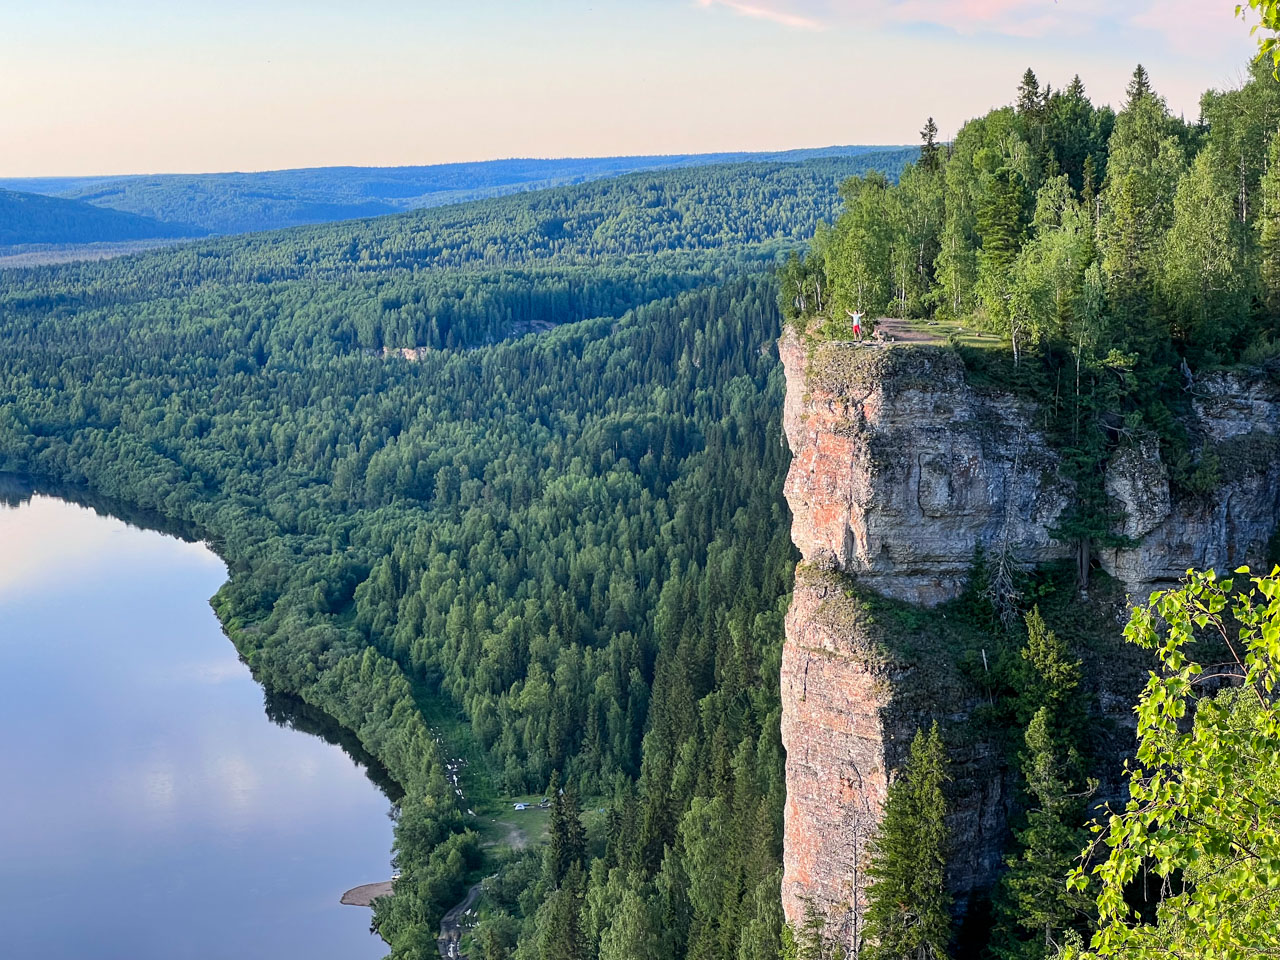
29,219
228,203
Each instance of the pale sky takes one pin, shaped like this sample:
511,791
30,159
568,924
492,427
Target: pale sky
147,86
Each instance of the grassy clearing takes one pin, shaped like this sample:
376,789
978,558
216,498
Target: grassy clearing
499,824
957,333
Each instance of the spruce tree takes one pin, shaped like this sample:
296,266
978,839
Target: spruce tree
1034,906
1049,677
566,838
559,921
930,152
1139,86
1029,99
908,914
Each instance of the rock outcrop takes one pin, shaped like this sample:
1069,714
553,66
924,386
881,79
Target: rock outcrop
902,470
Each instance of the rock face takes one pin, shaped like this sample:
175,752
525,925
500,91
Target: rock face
836,691
901,470
850,711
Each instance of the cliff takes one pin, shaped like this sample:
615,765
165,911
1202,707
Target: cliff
902,470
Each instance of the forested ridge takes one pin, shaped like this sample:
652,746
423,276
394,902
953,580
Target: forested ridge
569,548
241,202
575,540
28,218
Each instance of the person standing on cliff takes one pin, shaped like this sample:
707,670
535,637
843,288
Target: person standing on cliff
857,324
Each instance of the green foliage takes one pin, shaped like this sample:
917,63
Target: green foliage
1268,227
1114,255
1035,907
908,913
1204,794
574,541
1204,281
1268,46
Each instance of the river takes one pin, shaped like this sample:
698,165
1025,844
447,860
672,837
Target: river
149,807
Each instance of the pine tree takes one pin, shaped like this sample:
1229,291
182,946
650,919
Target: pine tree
908,914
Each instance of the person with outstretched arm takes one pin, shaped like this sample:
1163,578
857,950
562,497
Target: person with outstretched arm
856,317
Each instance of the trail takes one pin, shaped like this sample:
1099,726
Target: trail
451,926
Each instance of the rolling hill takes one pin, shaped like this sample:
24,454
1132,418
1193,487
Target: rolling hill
31,219
229,203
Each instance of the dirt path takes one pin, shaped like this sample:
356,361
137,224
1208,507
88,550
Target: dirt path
904,331
451,926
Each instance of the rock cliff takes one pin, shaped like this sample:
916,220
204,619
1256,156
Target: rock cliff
901,471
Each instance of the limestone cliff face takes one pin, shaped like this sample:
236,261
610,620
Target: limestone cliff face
901,470
850,710
1237,420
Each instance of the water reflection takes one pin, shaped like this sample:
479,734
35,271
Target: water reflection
147,807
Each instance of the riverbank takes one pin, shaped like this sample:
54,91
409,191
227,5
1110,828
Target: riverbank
365,894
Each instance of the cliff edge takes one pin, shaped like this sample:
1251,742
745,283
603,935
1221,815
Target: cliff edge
902,471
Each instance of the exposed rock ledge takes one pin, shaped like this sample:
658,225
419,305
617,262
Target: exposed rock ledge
901,470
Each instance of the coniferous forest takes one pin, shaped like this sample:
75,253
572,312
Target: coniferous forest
574,539
503,479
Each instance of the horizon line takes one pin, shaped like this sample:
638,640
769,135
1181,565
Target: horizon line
449,163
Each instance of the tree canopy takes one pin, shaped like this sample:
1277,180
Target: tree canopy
1204,808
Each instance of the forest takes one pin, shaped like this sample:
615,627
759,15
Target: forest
574,540
28,218
556,527
228,203
1118,254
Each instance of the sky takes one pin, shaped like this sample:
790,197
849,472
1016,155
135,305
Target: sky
150,86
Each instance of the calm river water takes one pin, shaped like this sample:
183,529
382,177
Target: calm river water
149,809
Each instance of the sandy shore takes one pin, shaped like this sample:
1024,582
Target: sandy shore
364,896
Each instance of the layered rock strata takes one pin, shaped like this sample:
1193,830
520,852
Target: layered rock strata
902,471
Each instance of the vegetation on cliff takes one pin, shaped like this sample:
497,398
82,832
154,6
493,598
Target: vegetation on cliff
1203,796
908,905
1116,256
